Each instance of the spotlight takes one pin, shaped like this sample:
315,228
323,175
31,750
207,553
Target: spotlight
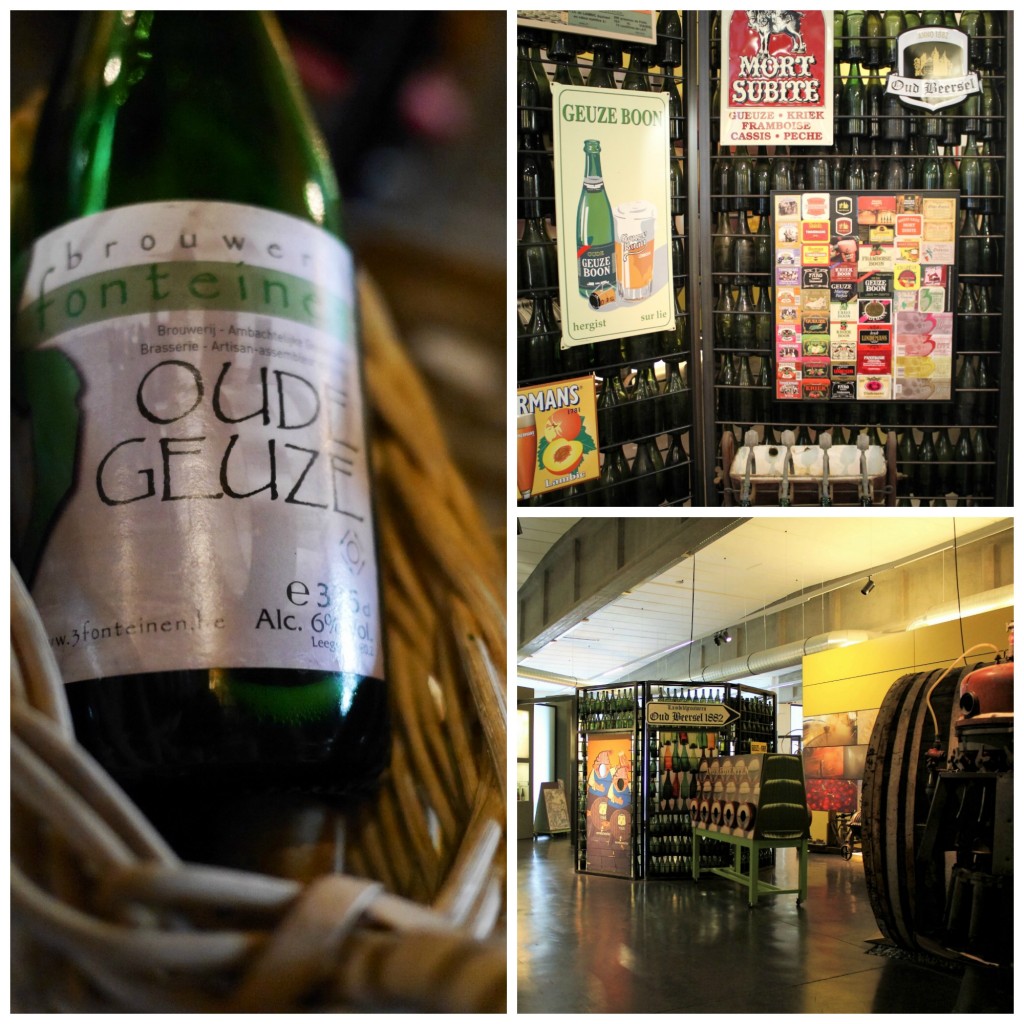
868,587
727,637
723,636
718,639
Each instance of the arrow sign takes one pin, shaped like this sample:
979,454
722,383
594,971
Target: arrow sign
676,714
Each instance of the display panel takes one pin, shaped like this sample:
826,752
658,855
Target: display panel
778,72
609,804
864,295
613,184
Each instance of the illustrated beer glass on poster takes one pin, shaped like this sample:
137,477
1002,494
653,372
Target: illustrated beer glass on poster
777,87
613,204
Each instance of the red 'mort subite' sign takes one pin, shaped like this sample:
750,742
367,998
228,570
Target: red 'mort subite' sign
777,85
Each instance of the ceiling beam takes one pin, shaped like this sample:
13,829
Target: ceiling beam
597,561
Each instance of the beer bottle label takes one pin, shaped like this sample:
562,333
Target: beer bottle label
201,491
596,268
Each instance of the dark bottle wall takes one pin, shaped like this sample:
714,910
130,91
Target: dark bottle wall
643,385
946,453
662,443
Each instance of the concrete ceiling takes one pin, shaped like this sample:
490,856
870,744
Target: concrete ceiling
764,560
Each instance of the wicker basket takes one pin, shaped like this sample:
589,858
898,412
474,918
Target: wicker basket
106,918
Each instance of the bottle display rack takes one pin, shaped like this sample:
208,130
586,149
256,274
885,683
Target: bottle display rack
676,759
675,408
944,453
755,804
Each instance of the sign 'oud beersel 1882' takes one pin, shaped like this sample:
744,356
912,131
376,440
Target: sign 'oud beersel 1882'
613,202
933,68
777,78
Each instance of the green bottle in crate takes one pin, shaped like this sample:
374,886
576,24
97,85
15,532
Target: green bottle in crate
192,508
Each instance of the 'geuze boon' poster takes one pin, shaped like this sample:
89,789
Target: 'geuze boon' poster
613,201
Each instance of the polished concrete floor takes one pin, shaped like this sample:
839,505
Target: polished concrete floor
593,944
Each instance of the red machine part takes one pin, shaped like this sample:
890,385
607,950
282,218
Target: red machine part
987,691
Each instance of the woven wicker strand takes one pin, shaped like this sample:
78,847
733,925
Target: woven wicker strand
106,917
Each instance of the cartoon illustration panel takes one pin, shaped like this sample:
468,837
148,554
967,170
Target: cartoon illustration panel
610,803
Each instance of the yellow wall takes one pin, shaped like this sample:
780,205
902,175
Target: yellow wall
857,678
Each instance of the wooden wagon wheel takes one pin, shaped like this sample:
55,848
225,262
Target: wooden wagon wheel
895,803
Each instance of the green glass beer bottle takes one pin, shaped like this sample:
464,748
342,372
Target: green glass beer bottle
637,76
595,228
855,49
199,530
893,23
744,319
991,179
988,247
644,399
539,355
819,172
669,57
611,409
535,254
913,164
676,398
895,171
763,245
646,474
963,456
723,245
875,48
745,395
562,52
969,245
745,247
982,481
614,483
944,463
931,167
839,37
677,472
874,98
855,102
763,329
724,316
970,179
602,69
927,477
906,456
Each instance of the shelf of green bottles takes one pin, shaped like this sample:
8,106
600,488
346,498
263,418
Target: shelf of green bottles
659,444
675,758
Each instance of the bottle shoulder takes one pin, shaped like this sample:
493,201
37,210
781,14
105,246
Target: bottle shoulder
178,106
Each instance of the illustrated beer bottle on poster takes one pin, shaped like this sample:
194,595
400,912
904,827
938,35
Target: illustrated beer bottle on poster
613,196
